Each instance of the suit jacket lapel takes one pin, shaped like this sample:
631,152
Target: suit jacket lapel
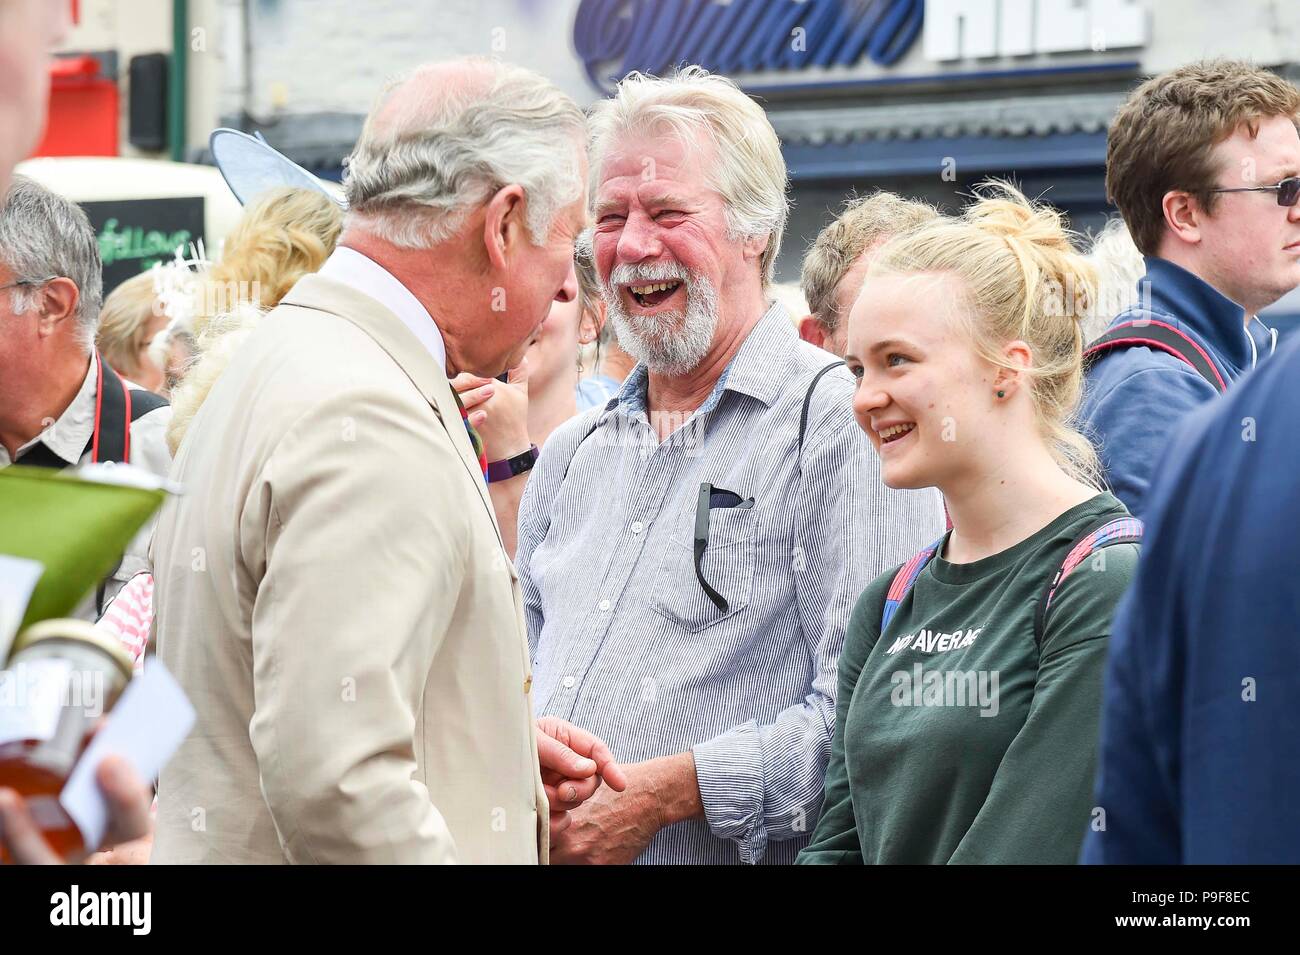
326,295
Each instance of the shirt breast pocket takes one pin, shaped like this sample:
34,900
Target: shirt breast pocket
727,564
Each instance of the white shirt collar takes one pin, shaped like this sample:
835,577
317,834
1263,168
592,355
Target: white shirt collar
368,277
70,433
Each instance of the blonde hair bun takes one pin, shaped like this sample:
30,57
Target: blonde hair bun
1023,281
1038,236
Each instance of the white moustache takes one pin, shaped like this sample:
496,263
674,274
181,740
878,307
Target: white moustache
644,274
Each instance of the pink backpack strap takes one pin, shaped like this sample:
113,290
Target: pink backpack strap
1160,336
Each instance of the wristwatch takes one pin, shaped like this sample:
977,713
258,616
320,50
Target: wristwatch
510,467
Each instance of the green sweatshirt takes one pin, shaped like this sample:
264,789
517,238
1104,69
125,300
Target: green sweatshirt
955,741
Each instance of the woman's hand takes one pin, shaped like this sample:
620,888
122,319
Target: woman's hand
498,411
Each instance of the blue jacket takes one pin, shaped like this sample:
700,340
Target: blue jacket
1200,737
1135,397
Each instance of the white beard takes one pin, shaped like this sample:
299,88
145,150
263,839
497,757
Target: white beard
669,343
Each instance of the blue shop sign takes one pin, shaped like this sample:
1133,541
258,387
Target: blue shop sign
742,36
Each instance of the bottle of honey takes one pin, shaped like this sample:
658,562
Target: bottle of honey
62,677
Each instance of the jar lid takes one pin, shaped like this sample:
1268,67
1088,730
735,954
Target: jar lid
77,631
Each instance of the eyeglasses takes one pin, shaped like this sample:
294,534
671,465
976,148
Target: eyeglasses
1288,190
711,497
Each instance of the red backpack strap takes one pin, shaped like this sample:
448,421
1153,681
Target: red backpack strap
1162,337
1115,530
903,580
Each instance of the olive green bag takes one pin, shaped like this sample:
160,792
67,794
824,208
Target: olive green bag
76,529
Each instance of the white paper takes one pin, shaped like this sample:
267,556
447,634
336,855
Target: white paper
146,726
18,577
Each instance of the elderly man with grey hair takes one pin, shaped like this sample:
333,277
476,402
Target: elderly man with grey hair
332,591
691,550
60,402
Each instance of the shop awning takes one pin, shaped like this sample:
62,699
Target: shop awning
1025,132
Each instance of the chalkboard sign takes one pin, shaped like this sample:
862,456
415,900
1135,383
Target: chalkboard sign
136,233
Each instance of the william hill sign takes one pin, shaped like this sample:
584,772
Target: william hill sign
615,37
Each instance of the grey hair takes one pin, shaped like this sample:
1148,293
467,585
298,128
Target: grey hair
43,236
748,172
1120,267
412,179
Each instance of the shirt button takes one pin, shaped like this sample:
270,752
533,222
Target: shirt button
568,682
604,605
637,527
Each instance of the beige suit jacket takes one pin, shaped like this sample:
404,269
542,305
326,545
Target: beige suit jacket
333,595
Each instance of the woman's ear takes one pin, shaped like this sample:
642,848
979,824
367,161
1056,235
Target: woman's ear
592,321
503,224
1019,359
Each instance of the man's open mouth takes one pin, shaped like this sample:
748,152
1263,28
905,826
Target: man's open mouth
651,294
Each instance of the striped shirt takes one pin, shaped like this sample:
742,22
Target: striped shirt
128,617
627,644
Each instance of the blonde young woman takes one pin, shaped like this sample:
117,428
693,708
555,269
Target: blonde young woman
966,722
284,234
130,319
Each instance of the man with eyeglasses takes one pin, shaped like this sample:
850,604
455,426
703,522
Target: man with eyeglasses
1204,165
60,404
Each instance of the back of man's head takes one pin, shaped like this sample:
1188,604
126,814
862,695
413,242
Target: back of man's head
44,236
1164,135
442,140
864,222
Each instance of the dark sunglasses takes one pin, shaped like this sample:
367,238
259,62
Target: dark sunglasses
711,497
1288,190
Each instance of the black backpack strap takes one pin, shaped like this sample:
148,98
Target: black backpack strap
111,440
807,401
117,405
143,402
1162,337
1112,530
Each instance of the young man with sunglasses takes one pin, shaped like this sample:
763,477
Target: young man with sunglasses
1204,165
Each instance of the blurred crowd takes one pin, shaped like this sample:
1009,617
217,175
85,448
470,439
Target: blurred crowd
536,522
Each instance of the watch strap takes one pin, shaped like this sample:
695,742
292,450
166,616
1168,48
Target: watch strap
511,467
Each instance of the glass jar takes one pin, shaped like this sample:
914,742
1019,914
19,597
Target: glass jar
62,677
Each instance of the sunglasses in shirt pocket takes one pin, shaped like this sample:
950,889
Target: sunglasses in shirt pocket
726,565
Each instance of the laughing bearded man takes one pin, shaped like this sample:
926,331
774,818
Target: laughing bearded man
703,654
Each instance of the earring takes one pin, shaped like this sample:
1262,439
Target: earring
1002,394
